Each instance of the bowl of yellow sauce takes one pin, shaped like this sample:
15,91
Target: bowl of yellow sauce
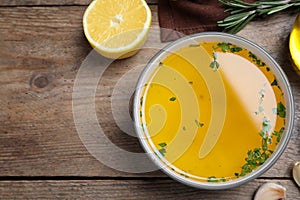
213,110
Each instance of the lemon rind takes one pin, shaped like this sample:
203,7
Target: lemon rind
294,50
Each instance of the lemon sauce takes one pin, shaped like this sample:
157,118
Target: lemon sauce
212,111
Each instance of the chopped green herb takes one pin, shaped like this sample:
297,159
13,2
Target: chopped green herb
236,174
141,101
223,179
162,151
141,114
256,60
214,65
281,110
172,99
268,69
258,156
199,123
184,174
215,55
235,49
191,82
264,145
163,144
253,160
253,56
266,125
161,63
224,46
278,134
212,179
274,82
263,134
143,126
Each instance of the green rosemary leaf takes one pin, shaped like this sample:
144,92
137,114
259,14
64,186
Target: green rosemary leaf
238,5
231,23
224,2
271,2
243,24
230,10
241,13
242,2
279,8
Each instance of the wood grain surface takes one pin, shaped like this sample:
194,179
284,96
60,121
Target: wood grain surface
129,189
41,51
51,2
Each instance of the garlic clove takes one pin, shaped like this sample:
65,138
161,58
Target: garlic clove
296,173
270,191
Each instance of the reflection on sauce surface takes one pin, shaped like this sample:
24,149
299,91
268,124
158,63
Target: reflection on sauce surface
213,111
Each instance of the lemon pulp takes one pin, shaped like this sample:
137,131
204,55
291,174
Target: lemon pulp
117,28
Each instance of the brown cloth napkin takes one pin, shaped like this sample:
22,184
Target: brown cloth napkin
184,17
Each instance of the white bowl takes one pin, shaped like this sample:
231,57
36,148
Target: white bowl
238,41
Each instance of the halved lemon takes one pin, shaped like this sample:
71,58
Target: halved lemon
295,44
117,28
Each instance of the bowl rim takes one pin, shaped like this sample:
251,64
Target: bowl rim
277,71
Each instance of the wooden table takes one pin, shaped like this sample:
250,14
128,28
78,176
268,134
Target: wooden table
42,47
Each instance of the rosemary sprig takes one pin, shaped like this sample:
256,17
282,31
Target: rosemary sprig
241,13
